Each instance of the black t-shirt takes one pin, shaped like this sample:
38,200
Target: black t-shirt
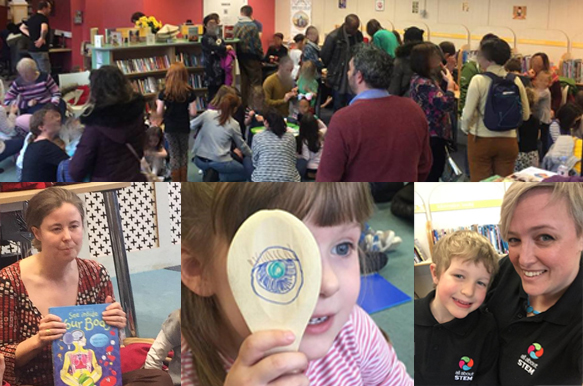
459,352
41,161
279,52
545,349
176,116
528,135
34,29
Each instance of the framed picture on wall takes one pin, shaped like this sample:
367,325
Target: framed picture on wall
519,13
342,4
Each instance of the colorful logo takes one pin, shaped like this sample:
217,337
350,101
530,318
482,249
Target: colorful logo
536,351
466,363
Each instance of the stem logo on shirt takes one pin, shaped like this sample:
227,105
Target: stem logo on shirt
535,351
466,363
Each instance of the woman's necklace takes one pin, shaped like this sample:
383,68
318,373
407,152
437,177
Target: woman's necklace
529,308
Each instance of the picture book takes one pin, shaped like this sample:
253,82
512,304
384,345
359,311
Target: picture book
88,353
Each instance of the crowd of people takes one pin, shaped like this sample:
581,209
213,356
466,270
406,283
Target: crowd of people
396,107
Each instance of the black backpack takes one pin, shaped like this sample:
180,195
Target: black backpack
503,106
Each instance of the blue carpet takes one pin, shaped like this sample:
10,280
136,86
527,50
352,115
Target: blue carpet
156,295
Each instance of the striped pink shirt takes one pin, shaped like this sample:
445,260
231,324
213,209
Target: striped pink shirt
359,356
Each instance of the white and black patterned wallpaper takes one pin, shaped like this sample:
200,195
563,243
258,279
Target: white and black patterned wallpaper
174,205
137,206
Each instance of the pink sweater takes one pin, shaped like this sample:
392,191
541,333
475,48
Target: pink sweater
377,140
359,356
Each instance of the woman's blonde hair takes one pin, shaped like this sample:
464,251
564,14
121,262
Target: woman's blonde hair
44,202
177,88
571,192
211,215
467,245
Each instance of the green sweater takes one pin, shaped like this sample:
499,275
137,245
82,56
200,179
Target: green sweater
386,41
469,70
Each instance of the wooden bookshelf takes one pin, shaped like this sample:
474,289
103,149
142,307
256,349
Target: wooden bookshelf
109,54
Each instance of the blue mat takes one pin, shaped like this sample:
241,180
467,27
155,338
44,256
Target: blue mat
377,294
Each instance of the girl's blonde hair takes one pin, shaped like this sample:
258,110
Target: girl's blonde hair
211,215
571,192
308,70
177,87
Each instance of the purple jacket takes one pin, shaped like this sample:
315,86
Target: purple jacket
102,154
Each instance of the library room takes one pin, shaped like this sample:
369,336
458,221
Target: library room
292,90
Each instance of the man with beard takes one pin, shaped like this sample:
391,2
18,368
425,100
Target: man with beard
378,137
279,87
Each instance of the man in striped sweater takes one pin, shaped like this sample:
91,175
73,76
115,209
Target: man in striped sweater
249,52
33,89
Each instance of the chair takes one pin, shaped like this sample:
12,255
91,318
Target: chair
74,79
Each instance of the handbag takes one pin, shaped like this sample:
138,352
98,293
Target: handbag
452,172
145,167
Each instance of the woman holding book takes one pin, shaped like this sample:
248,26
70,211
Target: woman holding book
53,277
536,297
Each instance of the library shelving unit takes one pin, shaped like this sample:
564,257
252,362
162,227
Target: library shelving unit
145,65
442,208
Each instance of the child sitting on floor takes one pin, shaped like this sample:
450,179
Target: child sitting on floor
310,144
167,340
43,155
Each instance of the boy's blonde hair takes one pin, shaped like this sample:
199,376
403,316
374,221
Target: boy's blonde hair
467,245
571,192
211,215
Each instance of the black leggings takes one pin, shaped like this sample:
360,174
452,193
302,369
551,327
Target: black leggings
439,155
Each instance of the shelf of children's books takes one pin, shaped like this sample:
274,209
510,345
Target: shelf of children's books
146,73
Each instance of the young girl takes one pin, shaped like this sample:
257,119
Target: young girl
542,108
177,101
308,82
154,152
568,119
43,155
218,349
274,152
310,144
215,131
253,112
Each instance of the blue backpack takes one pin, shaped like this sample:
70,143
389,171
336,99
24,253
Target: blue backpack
503,106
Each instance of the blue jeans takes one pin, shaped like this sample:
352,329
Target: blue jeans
230,171
42,61
13,146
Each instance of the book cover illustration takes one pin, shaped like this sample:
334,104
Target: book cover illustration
88,353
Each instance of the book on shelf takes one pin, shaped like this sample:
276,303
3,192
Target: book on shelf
200,103
189,60
229,32
573,69
149,85
196,81
88,353
491,232
132,66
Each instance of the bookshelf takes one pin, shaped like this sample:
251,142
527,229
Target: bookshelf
146,65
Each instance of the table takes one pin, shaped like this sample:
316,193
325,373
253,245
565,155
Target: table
291,128
108,189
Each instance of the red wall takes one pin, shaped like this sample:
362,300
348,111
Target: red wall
264,11
174,12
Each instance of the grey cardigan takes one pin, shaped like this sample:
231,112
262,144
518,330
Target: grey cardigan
213,141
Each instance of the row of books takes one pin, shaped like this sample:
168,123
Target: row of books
573,69
196,81
200,103
148,85
491,232
190,60
130,66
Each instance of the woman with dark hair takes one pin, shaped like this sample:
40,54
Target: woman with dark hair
214,49
112,144
382,38
215,131
438,104
55,276
312,49
274,152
